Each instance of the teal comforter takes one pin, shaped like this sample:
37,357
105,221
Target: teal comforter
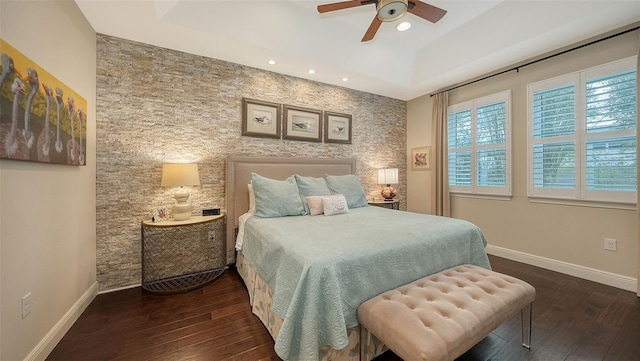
321,268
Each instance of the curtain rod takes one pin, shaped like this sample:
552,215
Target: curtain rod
517,68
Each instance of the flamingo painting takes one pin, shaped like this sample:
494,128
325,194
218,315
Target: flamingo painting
44,140
32,78
14,145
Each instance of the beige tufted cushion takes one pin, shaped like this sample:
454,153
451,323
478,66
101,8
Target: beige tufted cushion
439,317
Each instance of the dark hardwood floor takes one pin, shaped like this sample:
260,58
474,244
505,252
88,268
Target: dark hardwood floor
573,319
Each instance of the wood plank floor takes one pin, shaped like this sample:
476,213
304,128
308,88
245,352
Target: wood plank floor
573,319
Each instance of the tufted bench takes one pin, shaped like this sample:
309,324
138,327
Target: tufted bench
441,316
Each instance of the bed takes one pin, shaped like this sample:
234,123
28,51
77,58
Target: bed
306,275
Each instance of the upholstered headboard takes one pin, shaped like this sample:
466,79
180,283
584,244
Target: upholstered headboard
239,176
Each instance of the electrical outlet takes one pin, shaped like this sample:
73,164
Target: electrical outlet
26,305
610,244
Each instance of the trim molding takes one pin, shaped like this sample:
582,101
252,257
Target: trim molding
591,274
47,344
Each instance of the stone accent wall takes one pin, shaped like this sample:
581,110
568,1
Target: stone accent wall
156,105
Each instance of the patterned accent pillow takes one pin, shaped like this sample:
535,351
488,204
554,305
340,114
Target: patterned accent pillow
334,205
350,186
315,203
275,198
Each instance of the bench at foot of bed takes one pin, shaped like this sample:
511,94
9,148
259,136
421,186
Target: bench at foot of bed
441,316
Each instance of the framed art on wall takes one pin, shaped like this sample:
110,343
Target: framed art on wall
260,119
302,124
41,118
421,158
337,128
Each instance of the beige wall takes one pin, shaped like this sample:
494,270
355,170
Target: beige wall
47,227
419,135
562,235
157,105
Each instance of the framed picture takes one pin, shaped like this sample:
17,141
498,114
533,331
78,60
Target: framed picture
302,124
260,119
337,128
421,158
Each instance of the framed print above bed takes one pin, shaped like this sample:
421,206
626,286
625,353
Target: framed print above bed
260,119
302,124
337,128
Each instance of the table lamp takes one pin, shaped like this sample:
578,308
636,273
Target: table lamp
180,175
388,177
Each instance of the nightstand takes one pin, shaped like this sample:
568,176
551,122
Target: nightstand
179,256
392,204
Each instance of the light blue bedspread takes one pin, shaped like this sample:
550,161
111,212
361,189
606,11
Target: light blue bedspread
322,268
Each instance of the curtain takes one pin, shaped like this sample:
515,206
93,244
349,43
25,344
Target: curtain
440,191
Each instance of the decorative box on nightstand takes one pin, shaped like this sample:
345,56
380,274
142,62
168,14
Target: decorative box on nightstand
178,256
392,204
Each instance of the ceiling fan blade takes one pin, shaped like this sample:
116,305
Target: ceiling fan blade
426,11
339,6
373,28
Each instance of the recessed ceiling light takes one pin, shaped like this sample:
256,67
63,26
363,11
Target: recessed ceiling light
311,71
405,25
272,62
345,79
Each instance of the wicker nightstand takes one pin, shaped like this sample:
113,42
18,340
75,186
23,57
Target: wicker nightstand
178,256
393,204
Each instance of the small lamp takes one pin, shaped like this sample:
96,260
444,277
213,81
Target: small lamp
388,177
180,175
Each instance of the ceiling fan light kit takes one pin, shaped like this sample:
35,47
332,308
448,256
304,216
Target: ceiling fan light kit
388,10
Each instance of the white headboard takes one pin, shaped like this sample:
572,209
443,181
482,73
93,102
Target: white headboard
239,170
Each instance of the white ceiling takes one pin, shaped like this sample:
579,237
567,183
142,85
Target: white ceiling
474,37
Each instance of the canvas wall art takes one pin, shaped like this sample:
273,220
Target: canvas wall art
41,118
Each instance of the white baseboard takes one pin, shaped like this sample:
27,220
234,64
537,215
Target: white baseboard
49,342
591,274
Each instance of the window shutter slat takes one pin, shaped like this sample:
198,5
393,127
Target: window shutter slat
553,112
554,165
611,102
611,164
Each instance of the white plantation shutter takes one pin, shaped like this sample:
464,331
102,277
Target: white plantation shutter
554,137
581,133
459,142
491,153
610,125
479,146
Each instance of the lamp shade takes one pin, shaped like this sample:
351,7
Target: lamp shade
388,176
180,174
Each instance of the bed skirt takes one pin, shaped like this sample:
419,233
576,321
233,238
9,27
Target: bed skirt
261,299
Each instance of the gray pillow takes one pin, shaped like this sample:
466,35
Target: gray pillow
350,186
275,198
310,186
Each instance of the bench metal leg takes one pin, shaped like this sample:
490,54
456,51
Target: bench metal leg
526,313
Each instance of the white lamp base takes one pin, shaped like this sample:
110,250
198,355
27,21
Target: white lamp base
181,210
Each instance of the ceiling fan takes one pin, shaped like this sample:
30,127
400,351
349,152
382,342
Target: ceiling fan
389,10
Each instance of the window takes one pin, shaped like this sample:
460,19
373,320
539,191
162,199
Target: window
582,135
479,136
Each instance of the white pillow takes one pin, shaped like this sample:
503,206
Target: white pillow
334,205
315,204
252,200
